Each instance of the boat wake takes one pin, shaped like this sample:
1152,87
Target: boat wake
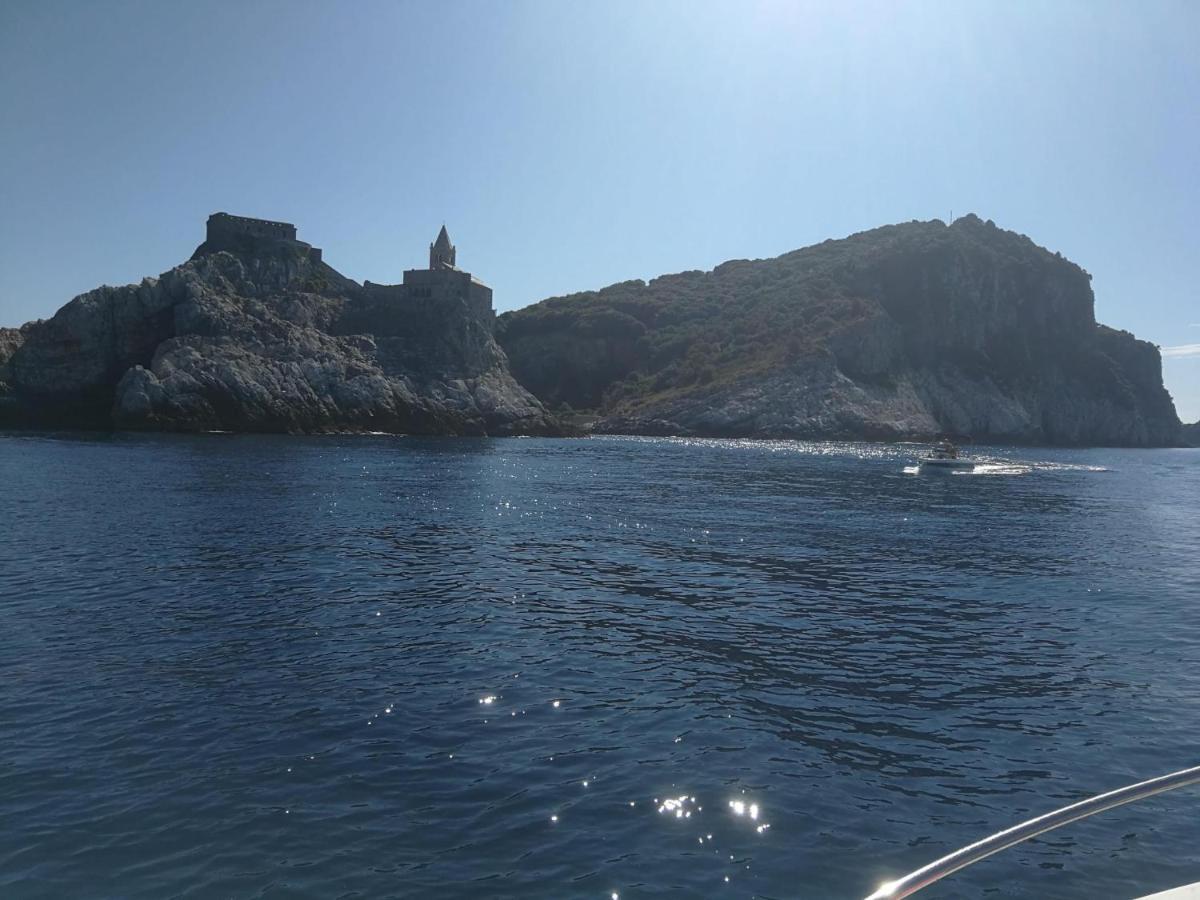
1008,467
1001,467
1069,467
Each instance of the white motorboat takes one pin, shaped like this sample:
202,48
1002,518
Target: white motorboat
944,458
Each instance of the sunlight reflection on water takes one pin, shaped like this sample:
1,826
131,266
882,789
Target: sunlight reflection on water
588,668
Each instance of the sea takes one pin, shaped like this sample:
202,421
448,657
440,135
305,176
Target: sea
615,667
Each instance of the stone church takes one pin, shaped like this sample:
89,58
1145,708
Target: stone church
443,280
442,284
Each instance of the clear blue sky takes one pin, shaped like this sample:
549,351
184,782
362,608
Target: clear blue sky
568,145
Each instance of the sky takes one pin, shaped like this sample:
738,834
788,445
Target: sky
570,145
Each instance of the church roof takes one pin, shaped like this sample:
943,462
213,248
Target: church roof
443,239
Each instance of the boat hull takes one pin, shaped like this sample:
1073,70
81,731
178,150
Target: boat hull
945,465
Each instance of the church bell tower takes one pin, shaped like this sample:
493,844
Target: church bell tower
441,251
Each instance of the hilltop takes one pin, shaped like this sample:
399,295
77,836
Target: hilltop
904,331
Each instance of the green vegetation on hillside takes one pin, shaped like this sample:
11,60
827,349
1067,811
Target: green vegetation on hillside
637,342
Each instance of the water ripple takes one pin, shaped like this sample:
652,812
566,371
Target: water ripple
619,667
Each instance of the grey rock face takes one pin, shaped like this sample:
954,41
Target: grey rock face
902,332
270,339
11,340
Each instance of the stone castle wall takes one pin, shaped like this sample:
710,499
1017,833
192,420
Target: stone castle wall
223,227
428,296
445,285
226,232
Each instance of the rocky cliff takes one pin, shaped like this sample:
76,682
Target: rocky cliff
905,331
261,335
1191,434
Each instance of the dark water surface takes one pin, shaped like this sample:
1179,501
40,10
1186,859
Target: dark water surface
396,667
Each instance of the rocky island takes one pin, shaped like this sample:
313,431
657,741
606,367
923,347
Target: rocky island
901,332
257,333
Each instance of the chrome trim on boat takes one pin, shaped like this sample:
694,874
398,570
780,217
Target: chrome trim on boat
1001,840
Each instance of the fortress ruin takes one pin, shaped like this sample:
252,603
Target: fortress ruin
222,225
226,232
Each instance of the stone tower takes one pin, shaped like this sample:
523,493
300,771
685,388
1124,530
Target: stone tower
442,252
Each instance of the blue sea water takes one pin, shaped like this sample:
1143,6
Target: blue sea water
237,666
